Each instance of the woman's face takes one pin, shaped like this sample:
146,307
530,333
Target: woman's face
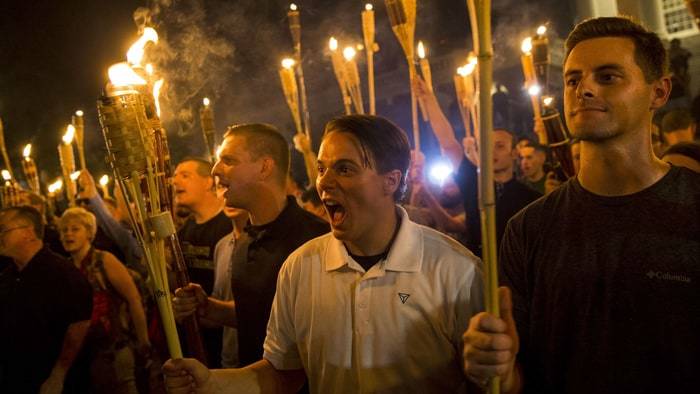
74,235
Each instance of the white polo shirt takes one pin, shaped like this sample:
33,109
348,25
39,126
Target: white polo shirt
395,328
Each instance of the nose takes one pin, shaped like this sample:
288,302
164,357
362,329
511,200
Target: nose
324,181
584,89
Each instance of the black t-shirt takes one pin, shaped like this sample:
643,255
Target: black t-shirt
511,197
37,305
198,242
606,290
257,259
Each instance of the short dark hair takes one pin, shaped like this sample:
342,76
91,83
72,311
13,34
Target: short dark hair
262,139
29,214
384,146
204,166
649,53
687,149
676,119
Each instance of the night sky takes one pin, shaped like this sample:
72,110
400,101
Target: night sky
54,56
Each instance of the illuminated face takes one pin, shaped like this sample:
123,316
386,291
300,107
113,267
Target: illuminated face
503,152
237,172
74,235
354,194
605,91
531,161
13,235
189,186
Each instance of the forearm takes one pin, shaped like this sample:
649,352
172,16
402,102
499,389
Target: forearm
72,342
138,317
311,166
219,313
258,378
115,231
443,218
444,132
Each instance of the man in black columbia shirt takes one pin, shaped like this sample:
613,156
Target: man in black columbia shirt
252,167
45,307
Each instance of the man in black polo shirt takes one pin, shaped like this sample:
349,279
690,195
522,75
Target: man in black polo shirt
45,308
253,167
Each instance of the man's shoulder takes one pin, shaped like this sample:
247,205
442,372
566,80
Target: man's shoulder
558,199
443,244
312,225
313,247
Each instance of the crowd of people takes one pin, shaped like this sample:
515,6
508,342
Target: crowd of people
371,280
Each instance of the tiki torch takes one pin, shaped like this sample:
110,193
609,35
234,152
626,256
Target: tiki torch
104,185
427,76
540,58
557,140
79,124
533,88
339,70
370,47
295,29
291,93
30,171
480,15
206,118
10,192
67,160
352,79
3,148
53,190
402,15
465,86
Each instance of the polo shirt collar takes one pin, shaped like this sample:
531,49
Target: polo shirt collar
281,225
405,255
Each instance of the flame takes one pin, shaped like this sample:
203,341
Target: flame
349,53
74,176
467,69
333,44
472,59
368,7
149,69
70,133
135,53
27,151
79,113
156,94
293,7
104,180
56,186
6,175
534,90
541,30
547,100
121,74
206,101
526,46
421,50
288,63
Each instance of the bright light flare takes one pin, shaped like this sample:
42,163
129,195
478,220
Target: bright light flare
288,63
56,186
206,101
293,7
149,69
104,180
526,46
27,151
333,44
70,133
156,95
135,53
534,90
74,176
541,30
6,175
368,7
421,50
439,173
467,69
349,53
79,113
472,59
121,74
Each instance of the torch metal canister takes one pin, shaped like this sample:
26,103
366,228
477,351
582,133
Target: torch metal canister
206,118
558,142
30,173
541,60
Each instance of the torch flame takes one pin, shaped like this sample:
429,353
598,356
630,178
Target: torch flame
206,101
27,151
56,186
293,7
534,90
121,74
526,46
70,133
74,176
288,63
469,68
333,44
156,94
104,180
6,175
135,53
472,59
149,69
368,7
541,30
421,50
79,113
349,53
548,100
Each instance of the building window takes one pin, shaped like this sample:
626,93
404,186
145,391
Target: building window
677,19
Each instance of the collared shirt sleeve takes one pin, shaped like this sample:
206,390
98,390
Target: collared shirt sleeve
280,346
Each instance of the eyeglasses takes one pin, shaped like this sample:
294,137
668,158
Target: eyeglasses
2,232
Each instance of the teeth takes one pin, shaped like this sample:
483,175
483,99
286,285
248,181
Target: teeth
331,203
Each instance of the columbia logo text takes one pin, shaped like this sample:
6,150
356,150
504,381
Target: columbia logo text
668,276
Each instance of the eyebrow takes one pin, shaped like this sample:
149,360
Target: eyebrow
602,67
341,161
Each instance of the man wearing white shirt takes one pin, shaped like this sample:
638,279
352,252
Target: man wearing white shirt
378,305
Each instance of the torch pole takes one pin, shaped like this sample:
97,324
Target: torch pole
3,149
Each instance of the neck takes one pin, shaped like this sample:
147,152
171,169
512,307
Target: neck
536,177
268,205
377,239
27,253
618,168
503,176
238,225
207,209
80,254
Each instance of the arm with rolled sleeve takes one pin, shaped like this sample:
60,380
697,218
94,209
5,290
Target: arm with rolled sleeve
119,234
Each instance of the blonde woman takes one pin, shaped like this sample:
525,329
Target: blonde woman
118,322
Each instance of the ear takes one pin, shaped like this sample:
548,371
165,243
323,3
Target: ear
267,168
391,182
660,90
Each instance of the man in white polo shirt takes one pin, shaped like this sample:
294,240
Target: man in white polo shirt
378,305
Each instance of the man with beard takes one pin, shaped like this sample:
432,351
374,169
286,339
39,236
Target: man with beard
602,274
378,305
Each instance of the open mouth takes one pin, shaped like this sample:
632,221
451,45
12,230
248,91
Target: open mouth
336,212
